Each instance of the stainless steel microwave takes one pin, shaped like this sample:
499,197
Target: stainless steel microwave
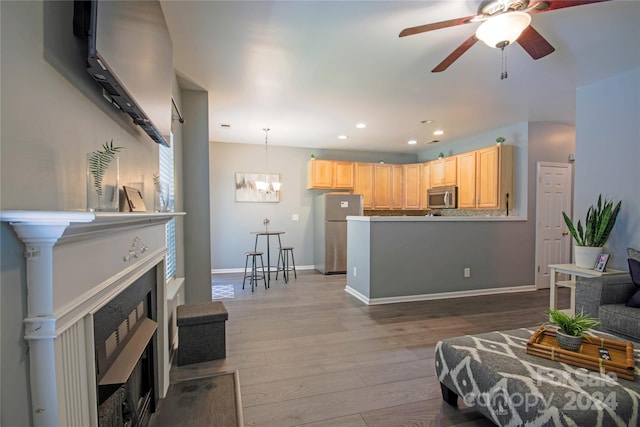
443,197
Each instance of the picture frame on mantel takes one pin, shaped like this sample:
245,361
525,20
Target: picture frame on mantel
246,189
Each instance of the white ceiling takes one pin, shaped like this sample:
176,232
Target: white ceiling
311,70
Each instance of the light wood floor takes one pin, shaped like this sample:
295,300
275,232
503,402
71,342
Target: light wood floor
309,354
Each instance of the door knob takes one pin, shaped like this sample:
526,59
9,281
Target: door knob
565,233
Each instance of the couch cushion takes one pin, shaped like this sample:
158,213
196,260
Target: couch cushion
620,319
634,270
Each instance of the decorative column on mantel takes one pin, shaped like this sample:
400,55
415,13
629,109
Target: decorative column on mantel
40,231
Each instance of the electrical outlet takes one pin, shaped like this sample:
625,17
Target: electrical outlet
295,217
467,272
355,272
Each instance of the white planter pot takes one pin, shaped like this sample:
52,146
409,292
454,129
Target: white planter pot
586,256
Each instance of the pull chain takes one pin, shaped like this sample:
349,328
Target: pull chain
503,74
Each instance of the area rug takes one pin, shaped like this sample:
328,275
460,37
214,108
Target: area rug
222,291
210,401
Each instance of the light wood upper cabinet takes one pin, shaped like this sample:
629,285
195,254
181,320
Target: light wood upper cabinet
484,178
426,184
343,174
444,172
494,177
364,183
382,186
329,174
412,184
467,180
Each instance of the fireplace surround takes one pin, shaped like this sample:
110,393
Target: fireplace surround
76,264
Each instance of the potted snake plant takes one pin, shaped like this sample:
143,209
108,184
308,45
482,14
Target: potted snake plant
570,329
598,225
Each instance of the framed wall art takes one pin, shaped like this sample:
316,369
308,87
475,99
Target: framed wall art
247,188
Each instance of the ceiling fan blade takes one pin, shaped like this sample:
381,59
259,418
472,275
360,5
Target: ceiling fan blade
455,54
548,5
535,45
436,26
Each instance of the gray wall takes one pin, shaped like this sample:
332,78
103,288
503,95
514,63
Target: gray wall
407,258
52,115
608,155
232,222
195,190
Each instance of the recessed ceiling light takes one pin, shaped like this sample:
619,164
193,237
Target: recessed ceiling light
412,142
361,125
438,132
342,137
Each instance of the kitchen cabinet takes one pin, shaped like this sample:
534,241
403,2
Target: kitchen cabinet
412,184
467,180
382,186
444,172
494,177
364,183
329,174
343,175
425,180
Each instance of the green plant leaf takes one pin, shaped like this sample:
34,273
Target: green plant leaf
598,225
571,325
99,163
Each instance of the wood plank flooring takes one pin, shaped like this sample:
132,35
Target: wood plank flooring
309,354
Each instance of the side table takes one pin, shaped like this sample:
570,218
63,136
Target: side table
574,272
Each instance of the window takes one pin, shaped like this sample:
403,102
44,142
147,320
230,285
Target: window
166,179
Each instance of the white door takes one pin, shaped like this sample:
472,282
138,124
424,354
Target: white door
553,196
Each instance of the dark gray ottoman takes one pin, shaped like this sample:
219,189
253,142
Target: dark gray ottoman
493,373
201,332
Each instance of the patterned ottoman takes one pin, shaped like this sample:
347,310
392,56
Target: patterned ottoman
493,373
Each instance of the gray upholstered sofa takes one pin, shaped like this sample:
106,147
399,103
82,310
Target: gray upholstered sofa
605,298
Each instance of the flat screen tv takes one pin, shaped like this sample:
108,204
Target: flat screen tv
130,55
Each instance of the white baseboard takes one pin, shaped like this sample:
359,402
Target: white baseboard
442,295
241,270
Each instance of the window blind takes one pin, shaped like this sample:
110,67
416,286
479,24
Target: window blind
166,169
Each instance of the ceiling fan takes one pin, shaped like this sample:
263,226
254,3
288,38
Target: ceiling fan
503,22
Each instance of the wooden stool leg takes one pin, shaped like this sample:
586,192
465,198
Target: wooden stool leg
293,264
285,265
253,272
278,264
264,277
246,262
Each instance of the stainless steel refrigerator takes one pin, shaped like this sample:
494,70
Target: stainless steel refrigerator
330,230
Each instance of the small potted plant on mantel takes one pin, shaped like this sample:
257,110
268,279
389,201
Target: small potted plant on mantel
570,329
590,239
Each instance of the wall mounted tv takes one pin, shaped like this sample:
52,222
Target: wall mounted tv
130,55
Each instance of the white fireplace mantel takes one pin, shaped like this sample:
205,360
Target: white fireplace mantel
108,249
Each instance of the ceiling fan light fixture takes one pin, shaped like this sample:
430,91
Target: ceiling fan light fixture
502,30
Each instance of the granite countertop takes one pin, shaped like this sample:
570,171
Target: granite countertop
436,218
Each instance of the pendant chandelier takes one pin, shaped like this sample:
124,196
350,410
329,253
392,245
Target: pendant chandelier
267,186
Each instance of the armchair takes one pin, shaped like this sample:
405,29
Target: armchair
605,298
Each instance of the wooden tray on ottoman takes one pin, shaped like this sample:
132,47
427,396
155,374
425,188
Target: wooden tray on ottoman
543,343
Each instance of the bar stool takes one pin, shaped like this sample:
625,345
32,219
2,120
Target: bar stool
253,275
283,255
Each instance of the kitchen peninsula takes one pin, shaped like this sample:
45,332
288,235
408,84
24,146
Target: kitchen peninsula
408,258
